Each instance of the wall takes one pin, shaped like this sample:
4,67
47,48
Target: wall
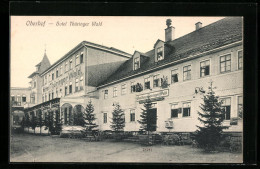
228,85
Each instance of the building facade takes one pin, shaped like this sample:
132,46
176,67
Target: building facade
19,98
174,74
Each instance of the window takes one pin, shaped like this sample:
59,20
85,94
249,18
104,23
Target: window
186,109
159,53
105,117
34,84
132,87
204,68
52,76
115,92
70,64
70,88
66,67
81,83
60,70
240,106
57,72
226,104
49,96
12,98
136,63
57,94
132,115
174,76
60,92
187,72
240,59
123,89
156,81
81,57
225,63
146,83
18,98
105,94
52,95
77,85
45,81
66,90
174,111
24,98
43,98
77,60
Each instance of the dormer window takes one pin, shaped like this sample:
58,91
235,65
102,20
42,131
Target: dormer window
136,63
159,53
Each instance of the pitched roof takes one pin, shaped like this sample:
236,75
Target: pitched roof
88,44
220,33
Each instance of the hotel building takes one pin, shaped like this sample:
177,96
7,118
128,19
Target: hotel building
173,74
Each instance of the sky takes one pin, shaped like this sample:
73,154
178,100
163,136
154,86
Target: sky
32,35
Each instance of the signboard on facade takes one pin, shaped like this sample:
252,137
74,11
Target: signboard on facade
153,96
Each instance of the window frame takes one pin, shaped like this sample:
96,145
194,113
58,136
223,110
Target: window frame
226,71
175,108
138,65
238,106
176,73
123,89
106,94
157,79
148,81
70,64
132,87
77,60
242,57
187,71
115,91
162,56
132,115
189,113
104,118
76,85
81,57
225,98
70,88
206,60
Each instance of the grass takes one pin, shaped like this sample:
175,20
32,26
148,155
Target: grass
32,148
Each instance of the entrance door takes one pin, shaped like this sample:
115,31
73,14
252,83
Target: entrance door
153,119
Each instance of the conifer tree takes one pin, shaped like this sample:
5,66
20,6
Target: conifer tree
147,120
27,120
34,123
78,118
89,117
118,119
40,121
209,135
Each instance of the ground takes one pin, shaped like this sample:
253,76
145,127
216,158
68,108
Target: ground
35,148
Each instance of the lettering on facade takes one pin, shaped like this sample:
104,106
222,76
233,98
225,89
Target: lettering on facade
70,75
154,96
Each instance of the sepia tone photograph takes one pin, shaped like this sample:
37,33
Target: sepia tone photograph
138,89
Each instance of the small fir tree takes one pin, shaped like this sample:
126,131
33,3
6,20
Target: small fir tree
48,122
118,119
34,123
78,118
40,121
27,120
89,117
147,119
57,123
210,134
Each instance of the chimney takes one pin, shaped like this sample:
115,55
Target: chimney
169,31
198,25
